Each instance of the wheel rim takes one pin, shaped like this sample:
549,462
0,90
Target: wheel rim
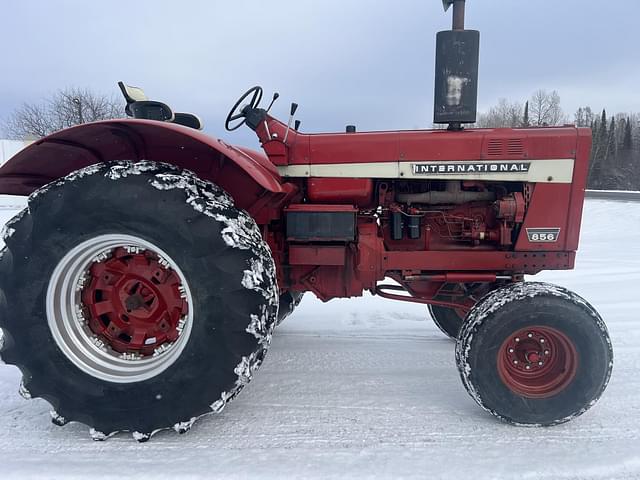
537,362
119,308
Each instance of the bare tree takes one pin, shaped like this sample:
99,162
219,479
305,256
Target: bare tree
67,107
544,109
504,114
584,117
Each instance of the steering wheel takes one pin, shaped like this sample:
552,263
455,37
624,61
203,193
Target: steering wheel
236,114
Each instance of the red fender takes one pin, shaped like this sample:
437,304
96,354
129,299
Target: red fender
241,171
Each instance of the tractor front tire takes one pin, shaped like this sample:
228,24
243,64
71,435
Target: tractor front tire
135,297
534,354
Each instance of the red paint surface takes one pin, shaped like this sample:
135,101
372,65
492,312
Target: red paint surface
358,191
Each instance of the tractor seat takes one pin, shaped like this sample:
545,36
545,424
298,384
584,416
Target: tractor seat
139,106
188,120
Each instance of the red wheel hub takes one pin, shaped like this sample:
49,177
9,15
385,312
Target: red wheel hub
135,302
537,362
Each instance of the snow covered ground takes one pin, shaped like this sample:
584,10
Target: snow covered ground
368,388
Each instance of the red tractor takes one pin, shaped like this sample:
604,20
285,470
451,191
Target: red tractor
142,283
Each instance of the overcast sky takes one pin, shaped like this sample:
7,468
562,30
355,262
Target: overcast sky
366,62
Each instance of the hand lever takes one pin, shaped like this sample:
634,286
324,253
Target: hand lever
275,97
294,107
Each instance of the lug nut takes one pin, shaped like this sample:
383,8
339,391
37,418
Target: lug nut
540,363
527,367
546,352
542,340
530,335
517,339
515,362
511,350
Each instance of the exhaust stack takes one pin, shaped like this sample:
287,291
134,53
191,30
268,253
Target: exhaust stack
456,81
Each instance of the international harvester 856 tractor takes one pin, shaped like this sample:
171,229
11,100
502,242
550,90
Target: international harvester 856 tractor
141,285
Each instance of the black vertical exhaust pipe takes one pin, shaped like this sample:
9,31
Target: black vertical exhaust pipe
456,81
458,13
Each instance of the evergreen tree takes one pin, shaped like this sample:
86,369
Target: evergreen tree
525,120
598,151
612,145
602,139
612,172
625,158
602,133
627,139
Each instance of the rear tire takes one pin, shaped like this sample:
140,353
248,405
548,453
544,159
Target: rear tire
447,319
450,320
209,318
534,354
